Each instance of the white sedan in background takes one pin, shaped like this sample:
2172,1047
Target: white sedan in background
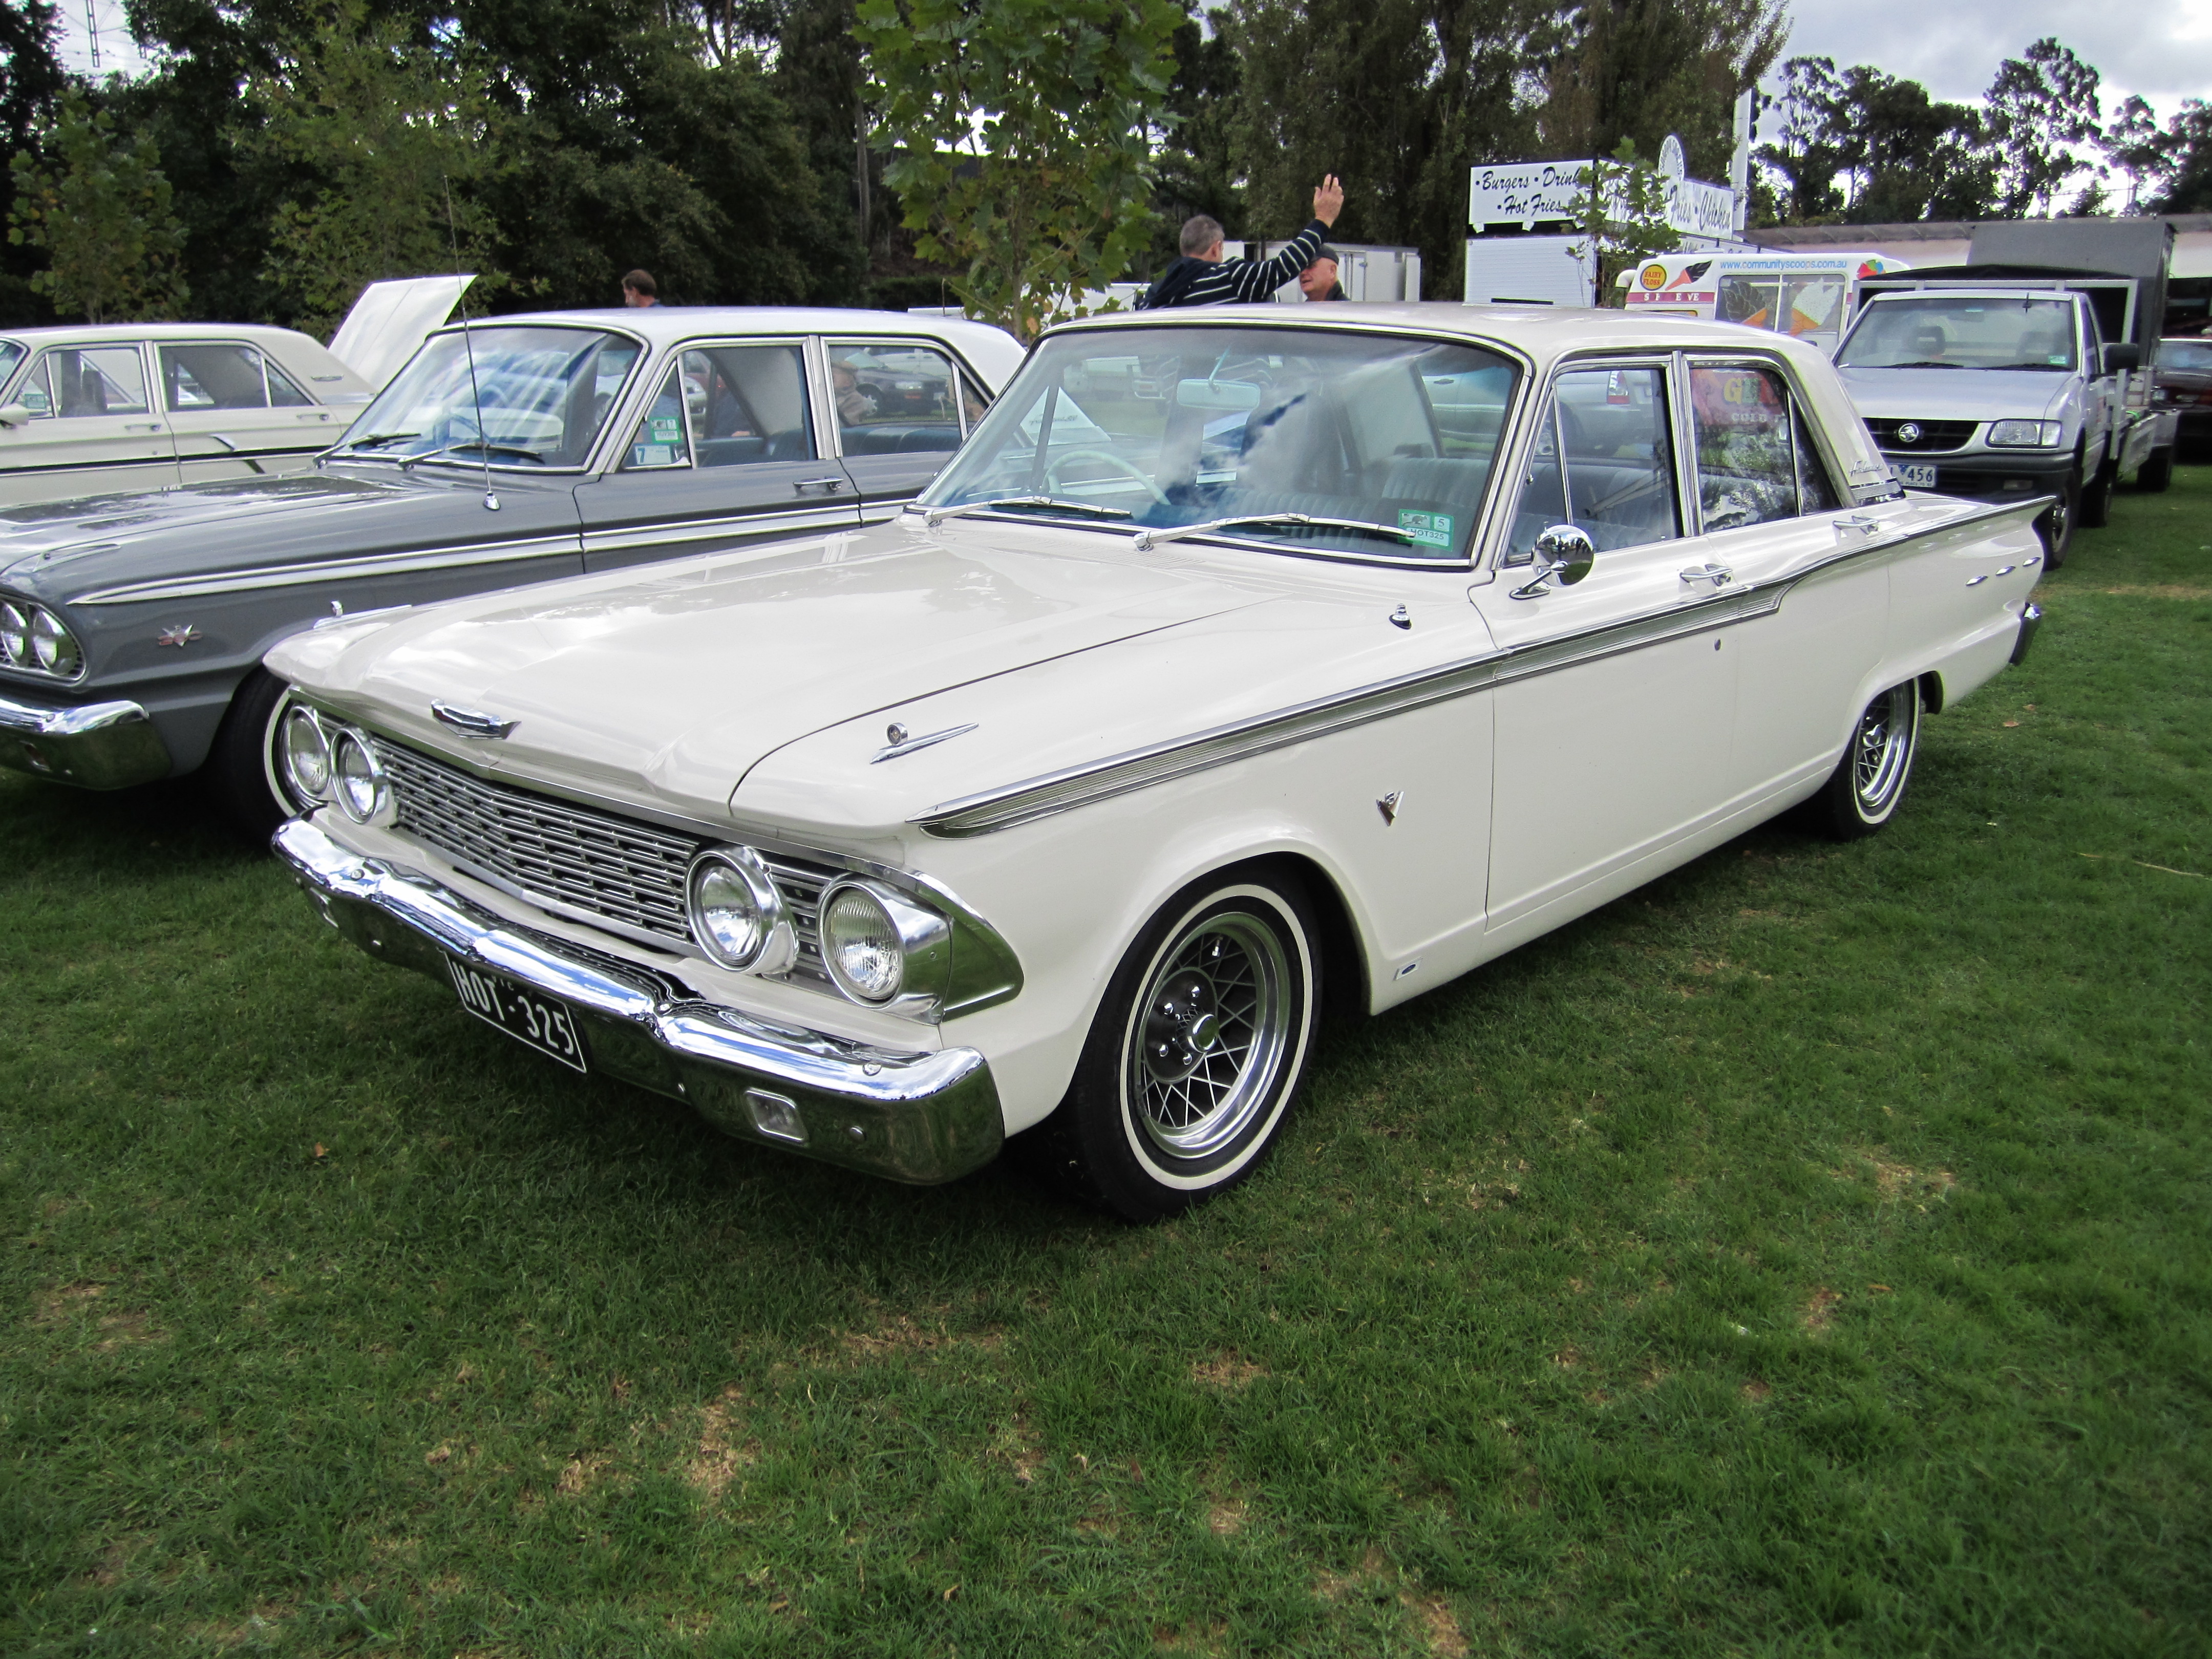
1240,661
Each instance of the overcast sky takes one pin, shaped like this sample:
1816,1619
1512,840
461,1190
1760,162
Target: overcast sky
2160,48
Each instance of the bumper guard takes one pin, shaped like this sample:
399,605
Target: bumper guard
916,1117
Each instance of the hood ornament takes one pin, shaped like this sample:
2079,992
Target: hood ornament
472,723
902,744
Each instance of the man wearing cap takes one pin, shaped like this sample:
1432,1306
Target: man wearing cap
1202,277
1318,280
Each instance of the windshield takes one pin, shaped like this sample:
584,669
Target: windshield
2172,354
1316,442
537,396
1931,330
10,355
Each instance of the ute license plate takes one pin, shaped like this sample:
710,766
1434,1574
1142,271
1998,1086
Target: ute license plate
539,1022
1914,477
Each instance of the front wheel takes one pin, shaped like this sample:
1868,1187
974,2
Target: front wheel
2097,500
2058,520
240,767
1862,795
1202,1040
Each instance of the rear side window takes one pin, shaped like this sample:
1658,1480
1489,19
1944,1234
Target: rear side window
892,397
1755,460
213,376
746,403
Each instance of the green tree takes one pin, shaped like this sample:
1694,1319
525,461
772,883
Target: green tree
1193,149
100,211
2042,115
1623,215
396,132
1862,147
31,79
1022,126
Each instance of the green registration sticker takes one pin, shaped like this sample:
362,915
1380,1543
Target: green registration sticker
668,428
1429,529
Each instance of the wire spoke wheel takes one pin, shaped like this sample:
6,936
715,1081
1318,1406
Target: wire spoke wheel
1882,749
1213,1027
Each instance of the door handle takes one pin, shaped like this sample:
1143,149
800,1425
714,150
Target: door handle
150,426
827,486
1858,522
1718,574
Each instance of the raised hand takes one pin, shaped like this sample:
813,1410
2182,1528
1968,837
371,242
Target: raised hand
1328,200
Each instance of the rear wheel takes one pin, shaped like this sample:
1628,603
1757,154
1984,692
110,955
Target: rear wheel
239,767
1863,792
2058,520
1201,1042
2156,474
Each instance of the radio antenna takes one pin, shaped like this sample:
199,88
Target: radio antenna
469,344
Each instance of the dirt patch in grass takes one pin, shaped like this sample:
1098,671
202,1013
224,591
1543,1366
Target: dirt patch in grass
1898,1183
1820,1310
1757,1392
1230,1372
1439,1624
902,1337
724,1445
57,1306
2158,590
580,1475
1225,1520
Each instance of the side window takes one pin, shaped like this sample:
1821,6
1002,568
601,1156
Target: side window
660,438
974,401
213,377
892,398
1603,461
282,393
747,404
96,380
1756,462
36,393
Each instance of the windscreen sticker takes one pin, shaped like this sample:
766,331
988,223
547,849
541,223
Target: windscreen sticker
668,428
1429,529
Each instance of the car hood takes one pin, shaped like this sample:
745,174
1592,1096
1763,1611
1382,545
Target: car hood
66,547
1957,394
664,686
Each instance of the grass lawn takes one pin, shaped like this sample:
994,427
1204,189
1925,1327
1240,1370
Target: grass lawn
1810,1253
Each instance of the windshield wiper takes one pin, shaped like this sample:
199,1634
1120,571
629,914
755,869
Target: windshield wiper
454,449
936,515
1147,538
381,437
1927,362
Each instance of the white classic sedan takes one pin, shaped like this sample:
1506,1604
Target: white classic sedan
1239,661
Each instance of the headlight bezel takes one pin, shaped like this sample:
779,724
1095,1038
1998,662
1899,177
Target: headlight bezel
298,715
381,808
2039,435
36,639
923,938
15,633
776,946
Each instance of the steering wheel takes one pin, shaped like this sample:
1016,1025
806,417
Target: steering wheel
1128,470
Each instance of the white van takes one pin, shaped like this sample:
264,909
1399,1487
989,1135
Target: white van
1811,294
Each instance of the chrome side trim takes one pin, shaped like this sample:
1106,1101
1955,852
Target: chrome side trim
300,575
921,1117
95,745
693,529
1059,792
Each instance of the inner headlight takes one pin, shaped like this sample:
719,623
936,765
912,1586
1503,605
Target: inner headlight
52,645
14,635
2024,435
306,756
860,943
362,794
736,912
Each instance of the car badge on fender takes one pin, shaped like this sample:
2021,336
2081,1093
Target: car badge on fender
469,723
179,637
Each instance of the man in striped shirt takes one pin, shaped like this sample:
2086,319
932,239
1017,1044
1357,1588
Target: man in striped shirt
1202,277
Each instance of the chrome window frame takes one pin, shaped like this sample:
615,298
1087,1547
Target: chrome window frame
1800,408
826,402
1662,358
622,466
147,366
261,356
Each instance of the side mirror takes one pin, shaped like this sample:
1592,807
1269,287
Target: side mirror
2122,356
1565,551
14,415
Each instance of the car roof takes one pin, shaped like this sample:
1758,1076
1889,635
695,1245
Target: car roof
63,333
660,324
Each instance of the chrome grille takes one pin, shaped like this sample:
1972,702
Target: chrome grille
590,861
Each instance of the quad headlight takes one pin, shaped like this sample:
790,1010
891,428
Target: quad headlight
303,751
880,948
33,637
737,915
357,779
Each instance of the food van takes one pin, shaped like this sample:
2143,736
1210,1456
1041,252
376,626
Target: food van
1810,294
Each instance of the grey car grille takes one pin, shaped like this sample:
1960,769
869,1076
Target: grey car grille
1933,437
592,862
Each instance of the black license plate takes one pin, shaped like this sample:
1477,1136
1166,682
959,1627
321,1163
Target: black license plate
540,1022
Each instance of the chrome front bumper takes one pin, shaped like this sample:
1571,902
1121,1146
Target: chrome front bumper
2031,618
97,745
919,1117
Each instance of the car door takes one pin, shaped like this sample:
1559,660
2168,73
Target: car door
1776,529
901,408
92,427
1618,693
726,451
236,415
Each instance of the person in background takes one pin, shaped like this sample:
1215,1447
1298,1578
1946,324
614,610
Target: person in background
1203,277
639,289
1318,280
